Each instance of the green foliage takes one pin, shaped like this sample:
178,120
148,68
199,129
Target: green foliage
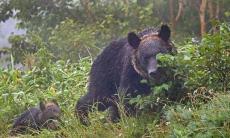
210,62
65,82
32,12
61,80
203,69
70,30
20,47
209,120
62,32
195,66
203,116
76,27
80,41
205,64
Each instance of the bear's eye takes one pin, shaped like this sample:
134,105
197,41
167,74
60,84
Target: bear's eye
147,57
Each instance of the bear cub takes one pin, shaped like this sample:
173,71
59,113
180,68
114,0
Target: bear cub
46,116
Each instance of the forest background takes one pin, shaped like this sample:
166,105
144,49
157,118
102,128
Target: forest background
63,37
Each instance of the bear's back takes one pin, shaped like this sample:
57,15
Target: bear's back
28,117
105,74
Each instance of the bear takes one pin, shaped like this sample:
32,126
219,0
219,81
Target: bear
46,115
119,69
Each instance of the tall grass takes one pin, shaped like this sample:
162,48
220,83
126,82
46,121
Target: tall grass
206,112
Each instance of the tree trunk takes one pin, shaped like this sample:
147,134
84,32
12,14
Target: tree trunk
211,9
211,13
202,17
86,5
171,14
216,29
217,10
142,2
126,2
180,11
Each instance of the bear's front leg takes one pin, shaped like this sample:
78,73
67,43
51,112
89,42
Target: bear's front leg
114,115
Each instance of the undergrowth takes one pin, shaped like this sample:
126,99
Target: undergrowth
204,111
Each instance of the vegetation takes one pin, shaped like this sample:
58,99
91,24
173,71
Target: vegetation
206,112
63,38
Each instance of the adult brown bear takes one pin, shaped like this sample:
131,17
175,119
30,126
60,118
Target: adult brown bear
121,67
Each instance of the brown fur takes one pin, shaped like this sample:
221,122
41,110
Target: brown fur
46,116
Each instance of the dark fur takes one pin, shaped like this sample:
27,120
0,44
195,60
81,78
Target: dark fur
120,68
34,119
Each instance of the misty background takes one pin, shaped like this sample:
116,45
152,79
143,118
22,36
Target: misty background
72,29
8,28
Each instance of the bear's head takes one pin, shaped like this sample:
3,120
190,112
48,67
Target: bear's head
50,114
147,45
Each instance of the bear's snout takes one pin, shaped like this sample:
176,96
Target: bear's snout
152,74
152,67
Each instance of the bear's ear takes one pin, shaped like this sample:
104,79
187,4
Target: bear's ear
54,101
42,105
164,32
133,40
